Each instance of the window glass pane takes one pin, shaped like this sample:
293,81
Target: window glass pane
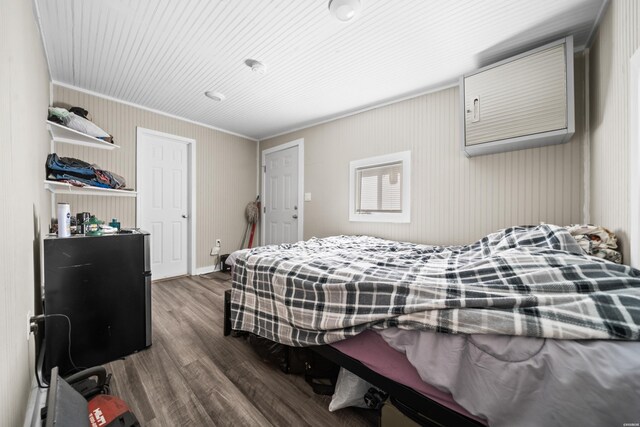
391,189
368,193
379,188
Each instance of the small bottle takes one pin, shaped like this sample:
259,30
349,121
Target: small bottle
115,224
64,220
82,218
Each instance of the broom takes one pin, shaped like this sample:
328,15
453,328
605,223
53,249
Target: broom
252,214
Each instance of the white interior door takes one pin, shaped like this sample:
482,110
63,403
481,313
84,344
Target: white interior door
281,196
163,180
634,161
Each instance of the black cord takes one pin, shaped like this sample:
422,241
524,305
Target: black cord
38,379
39,363
68,346
69,337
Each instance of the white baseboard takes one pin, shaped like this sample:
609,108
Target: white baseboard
206,270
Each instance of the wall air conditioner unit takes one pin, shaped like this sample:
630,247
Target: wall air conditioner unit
522,102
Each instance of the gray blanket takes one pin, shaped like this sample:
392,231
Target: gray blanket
521,281
529,382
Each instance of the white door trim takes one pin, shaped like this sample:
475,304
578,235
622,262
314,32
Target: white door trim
300,144
634,160
191,192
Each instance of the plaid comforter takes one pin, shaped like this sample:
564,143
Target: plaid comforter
529,281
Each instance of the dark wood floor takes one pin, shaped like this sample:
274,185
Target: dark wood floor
194,376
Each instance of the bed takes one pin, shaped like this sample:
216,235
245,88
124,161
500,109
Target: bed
519,328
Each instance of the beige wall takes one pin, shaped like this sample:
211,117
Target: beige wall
24,96
455,199
617,40
225,168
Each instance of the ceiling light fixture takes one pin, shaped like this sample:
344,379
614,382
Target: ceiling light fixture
256,66
345,10
216,96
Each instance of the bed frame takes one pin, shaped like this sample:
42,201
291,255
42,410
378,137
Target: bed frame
409,401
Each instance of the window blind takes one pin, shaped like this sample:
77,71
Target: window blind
379,188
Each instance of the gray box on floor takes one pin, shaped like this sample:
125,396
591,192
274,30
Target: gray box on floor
390,416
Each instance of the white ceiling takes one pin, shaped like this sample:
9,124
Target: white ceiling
164,54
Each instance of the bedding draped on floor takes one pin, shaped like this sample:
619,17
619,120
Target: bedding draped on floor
529,382
525,281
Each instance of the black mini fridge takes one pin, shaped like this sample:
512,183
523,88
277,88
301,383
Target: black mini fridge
97,299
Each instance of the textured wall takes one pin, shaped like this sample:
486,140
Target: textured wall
617,40
454,199
225,169
24,95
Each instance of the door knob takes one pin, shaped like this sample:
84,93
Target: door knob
185,216
295,216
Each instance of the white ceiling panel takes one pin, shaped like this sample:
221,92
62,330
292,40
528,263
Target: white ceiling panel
164,54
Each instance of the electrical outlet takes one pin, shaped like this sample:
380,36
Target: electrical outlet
28,325
218,243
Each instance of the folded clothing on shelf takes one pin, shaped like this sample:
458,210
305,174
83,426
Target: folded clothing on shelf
81,173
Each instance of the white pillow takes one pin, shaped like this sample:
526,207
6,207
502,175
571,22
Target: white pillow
83,125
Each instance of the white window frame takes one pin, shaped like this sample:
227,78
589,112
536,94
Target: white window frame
402,217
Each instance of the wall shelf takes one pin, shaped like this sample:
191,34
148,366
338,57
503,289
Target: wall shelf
57,187
67,135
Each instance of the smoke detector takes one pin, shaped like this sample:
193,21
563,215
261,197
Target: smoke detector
216,96
256,66
345,10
